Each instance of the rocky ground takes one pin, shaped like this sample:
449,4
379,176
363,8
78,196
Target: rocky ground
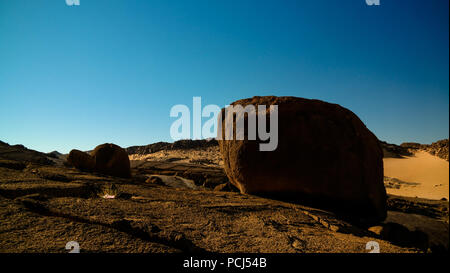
181,202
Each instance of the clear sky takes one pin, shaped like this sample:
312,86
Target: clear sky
110,70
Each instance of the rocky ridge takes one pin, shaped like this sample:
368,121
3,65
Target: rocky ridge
438,148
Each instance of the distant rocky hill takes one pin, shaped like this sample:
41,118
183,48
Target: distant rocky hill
21,153
177,145
438,148
393,150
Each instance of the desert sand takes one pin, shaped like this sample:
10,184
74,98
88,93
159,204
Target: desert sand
420,175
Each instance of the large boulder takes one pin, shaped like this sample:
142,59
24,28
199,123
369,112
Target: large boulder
325,155
112,160
81,160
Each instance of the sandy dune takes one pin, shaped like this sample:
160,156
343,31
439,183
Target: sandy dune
422,175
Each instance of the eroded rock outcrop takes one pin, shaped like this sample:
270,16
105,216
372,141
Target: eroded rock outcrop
394,151
438,148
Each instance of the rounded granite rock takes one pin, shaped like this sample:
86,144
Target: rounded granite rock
325,155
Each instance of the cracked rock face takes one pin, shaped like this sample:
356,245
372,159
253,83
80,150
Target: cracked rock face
324,154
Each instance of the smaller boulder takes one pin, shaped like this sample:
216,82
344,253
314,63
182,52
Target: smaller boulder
112,160
81,160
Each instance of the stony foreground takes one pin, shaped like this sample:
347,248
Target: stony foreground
44,207
178,201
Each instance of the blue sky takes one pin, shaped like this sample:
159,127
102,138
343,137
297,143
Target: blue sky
110,70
